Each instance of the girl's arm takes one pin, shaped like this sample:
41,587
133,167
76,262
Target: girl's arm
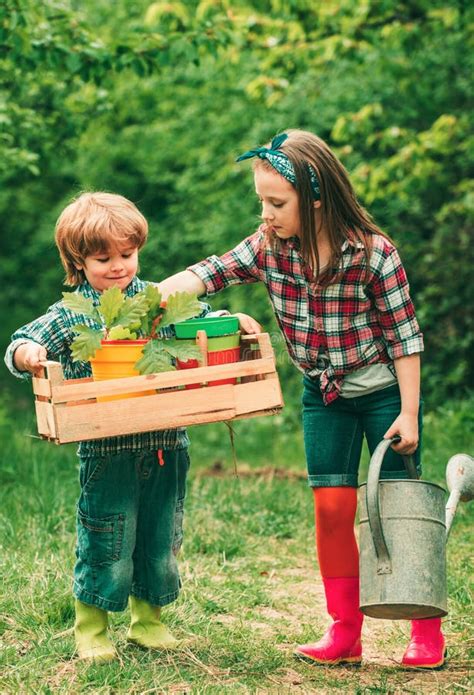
241,265
406,424
185,281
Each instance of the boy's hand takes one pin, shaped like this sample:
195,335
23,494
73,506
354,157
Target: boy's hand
248,324
27,357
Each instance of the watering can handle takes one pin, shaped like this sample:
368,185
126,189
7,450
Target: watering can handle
384,565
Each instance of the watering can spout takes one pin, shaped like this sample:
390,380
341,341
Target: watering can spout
460,481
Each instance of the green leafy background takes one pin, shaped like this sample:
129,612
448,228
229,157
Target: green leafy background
155,101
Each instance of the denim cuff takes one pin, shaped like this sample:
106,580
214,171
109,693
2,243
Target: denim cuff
156,599
99,601
336,480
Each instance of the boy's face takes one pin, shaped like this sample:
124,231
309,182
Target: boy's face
115,267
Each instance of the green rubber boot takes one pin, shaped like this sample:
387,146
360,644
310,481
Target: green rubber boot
90,631
146,628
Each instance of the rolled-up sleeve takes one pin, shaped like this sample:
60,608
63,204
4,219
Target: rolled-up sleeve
241,265
48,330
395,310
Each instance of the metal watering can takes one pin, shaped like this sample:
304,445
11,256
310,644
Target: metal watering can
403,530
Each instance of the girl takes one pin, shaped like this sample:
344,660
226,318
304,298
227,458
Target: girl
341,299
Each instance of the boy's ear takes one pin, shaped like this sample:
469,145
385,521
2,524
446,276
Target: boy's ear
78,267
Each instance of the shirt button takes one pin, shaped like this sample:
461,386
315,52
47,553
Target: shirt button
319,324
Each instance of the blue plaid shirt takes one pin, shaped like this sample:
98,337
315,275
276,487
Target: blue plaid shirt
54,330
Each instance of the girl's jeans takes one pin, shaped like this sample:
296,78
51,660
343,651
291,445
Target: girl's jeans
130,528
333,434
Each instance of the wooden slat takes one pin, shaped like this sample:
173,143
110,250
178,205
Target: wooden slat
249,338
54,371
201,342
265,346
258,413
250,353
75,392
257,395
148,413
266,352
41,387
82,431
166,411
45,419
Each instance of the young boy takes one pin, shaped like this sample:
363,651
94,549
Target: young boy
130,510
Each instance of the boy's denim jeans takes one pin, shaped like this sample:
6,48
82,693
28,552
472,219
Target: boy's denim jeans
333,435
130,528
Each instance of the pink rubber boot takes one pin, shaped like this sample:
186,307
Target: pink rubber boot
426,648
341,642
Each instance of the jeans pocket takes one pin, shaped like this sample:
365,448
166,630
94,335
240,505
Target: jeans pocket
99,541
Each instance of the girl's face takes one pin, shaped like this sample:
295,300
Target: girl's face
280,205
115,267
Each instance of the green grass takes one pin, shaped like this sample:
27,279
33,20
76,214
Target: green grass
250,583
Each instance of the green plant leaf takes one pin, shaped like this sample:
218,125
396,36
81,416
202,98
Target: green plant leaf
132,310
155,310
154,359
121,333
181,349
153,295
144,327
110,304
180,307
80,305
86,342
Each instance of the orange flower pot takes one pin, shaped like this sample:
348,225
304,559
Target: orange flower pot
116,359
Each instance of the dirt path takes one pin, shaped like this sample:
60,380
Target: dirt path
299,594
299,602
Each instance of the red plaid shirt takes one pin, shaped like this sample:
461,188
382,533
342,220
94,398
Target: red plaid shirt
354,322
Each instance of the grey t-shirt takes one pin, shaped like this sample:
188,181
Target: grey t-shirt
363,381
367,380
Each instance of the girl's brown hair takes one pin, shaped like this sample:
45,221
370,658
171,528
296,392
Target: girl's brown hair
341,214
93,223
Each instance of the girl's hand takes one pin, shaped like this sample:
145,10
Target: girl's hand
27,357
248,324
407,427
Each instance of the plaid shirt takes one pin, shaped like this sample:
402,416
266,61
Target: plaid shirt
54,330
353,322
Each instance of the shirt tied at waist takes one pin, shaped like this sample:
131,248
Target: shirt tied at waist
330,385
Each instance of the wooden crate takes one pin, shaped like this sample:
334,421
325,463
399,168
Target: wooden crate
67,410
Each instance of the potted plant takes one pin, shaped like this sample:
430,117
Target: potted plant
119,336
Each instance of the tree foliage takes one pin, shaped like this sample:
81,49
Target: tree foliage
155,101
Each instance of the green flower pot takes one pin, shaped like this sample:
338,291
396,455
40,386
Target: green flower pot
214,326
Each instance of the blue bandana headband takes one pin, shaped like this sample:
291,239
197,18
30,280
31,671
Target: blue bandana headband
281,163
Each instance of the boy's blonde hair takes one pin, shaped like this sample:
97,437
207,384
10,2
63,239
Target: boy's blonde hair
93,223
